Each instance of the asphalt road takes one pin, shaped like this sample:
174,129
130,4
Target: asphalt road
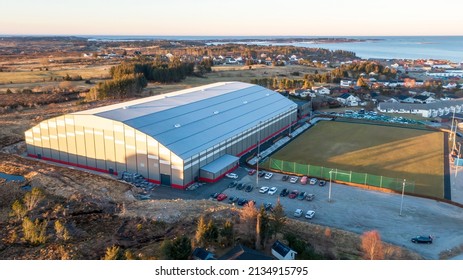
353,209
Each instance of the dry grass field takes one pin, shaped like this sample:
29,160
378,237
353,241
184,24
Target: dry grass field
411,154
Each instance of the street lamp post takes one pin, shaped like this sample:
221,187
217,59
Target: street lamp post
329,189
402,200
258,155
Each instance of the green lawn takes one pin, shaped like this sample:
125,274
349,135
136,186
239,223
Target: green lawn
411,154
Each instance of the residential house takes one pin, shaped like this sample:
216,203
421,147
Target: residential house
405,99
283,252
346,83
427,110
202,254
348,99
450,85
424,99
241,252
427,93
321,90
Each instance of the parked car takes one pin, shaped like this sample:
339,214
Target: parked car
293,179
252,172
242,201
268,175
263,189
293,194
322,183
231,175
233,184
214,195
422,239
240,186
313,181
248,188
261,174
298,213
310,196
268,206
301,196
310,214
285,178
284,192
304,180
221,197
272,190
233,199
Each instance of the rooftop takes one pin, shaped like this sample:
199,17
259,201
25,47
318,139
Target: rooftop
192,120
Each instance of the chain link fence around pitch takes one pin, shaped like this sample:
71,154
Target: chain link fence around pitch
341,175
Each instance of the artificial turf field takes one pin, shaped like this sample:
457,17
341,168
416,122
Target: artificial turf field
404,153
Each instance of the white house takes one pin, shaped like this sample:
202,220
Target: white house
427,110
424,99
346,83
406,99
450,85
348,99
321,90
283,252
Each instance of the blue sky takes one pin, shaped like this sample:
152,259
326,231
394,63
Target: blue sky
234,17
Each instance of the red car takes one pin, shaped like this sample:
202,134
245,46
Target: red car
221,197
252,172
293,194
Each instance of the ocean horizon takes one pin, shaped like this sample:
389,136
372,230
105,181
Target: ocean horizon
367,47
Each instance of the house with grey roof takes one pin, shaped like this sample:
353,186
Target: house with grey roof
427,110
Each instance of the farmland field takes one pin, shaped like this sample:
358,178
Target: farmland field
411,154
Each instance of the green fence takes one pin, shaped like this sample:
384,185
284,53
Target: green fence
342,175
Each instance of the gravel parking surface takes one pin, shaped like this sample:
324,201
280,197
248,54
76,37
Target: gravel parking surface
356,210
360,210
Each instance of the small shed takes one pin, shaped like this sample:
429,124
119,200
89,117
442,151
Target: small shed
283,252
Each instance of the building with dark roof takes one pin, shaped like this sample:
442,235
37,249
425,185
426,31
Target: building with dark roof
167,138
241,252
283,252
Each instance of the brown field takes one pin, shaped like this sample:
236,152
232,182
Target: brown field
411,154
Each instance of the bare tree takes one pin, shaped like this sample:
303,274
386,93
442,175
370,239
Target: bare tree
248,216
372,246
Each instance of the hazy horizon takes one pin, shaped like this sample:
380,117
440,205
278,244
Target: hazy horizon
291,18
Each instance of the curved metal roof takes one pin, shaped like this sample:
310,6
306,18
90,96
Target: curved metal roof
192,120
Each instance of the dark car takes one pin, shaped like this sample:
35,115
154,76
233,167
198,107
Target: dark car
301,196
242,201
214,195
321,183
240,186
293,194
284,192
233,184
261,174
268,206
249,188
232,199
422,239
285,178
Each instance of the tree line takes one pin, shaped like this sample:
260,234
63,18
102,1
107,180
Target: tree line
353,70
130,78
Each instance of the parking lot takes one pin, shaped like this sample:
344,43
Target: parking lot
358,210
